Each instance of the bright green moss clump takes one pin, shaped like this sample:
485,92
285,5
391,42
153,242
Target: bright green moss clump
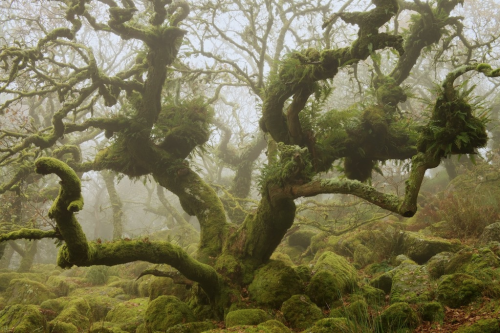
165,312
129,315
481,326
398,316
23,318
300,312
246,317
458,289
24,291
274,283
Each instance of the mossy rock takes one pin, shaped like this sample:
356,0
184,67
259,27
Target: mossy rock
130,287
63,285
160,286
97,291
411,284
22,319
421,248
5,278
97,275
104,327
357,311
363,256
334,277
373,296
285,258
481,326
490,234
301,238
24,291
195,327
246,317
56,304
77,313
300,312
303,272
274,283
333,325
383,282
458,289
398,316
165,312
376,242
129,315
436,266
270,326
432,312
62,327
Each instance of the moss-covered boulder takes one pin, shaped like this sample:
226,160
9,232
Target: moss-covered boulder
76,313
398,316
274,283
436,266
334,276
22,319
481,326
246,317
300,312
301,238
383,281
432,312
130,287
421,248
363,256
24,291
160,286
283,257
411,284
97,291
490,234
270,326
458,289
63,285
372,295
6,277
332,325
165,312
195,327
129,314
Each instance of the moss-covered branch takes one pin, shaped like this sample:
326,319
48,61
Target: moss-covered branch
25,233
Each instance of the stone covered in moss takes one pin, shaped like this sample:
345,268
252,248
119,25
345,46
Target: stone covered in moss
77,313
246,317
436,266
63,285
481,326
5,278
300,312
130,287
411,284
301,238
285,258
490,234
372,295
330,325
195,327
458,289
129,315
24,291
274,283
398,316
363,256
334,277
22,319
160,286
97,291
432,311
421,248
165,312
383,281
270,326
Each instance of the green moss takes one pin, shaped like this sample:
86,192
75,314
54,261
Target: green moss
398,316
458,289
97,291
246,317
77,313
437,264
432,311
22,319
24,291
270,326
165,286
62,285
373,296
5,278
165,312
284,258
274,283
481,326
421,248
334,277
195,327
129,315
300,313
383,282
97,275
301,238
329,325
411,284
